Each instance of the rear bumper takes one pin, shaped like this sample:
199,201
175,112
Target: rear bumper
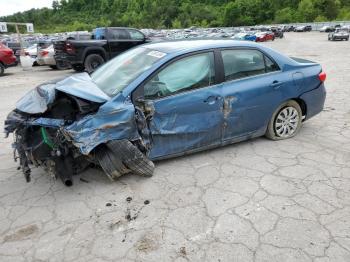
314,100
46,61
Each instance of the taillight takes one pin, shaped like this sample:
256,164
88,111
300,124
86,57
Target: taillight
70,48
322,76
44,53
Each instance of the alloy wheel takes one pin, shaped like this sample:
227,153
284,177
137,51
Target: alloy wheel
287,121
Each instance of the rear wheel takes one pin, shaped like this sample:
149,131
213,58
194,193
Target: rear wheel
53,67
92,62
285,121
78,67
62,65
2,69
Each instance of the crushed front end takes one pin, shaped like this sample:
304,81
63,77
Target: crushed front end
65,126
39,140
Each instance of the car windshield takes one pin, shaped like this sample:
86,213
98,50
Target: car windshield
118,73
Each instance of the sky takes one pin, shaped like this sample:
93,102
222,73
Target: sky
9,7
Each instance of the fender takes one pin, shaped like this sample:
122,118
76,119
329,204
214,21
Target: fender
95,50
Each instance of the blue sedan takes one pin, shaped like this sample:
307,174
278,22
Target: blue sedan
162,100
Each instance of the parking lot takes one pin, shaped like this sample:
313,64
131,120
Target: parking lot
258,200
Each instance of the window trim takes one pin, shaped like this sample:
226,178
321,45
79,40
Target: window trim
139,90
247,77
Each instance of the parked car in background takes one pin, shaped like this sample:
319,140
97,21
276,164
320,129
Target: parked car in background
7,58
264,36
277,32
163,100
247,36
303,28
107,43
339,34
288,28
327,29
15,47
308,28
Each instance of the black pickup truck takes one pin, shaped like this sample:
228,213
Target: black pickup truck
106,43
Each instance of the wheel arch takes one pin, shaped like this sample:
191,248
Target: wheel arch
302,105
97,51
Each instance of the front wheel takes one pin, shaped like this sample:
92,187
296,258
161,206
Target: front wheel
285,121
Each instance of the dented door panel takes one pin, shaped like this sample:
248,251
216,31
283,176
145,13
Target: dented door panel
249,104
186,121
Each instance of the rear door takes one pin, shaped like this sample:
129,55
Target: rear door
118,41
187,106
251,91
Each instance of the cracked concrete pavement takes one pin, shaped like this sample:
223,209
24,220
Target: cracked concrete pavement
258,200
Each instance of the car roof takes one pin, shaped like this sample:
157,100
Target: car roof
184,46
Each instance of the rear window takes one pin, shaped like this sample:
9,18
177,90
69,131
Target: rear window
118,34
99,33
242,63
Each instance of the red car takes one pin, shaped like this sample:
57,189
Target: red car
7,58
264,36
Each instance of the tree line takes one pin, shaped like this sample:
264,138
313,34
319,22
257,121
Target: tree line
76,15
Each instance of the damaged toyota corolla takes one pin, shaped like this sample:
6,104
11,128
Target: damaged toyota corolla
162,100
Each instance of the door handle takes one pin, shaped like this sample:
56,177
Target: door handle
211,100
276,84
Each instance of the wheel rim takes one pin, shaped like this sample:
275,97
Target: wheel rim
287,121
95,64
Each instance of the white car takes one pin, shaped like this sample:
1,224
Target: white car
46,56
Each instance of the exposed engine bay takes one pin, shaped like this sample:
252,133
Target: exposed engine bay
46,146
53,129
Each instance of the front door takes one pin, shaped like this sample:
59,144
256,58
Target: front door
187,106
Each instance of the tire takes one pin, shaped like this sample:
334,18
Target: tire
53,67
2,69
110,164
293,121
78,67
62,65
132,157
92,62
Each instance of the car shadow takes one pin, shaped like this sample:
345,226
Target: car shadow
7,74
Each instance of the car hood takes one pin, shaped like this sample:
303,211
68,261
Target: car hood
79,85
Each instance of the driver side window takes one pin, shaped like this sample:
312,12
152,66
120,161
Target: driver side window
188,73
